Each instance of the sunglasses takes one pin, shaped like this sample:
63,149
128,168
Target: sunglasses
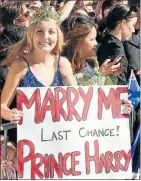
24,17
76,21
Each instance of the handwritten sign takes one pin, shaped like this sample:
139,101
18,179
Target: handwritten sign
73,133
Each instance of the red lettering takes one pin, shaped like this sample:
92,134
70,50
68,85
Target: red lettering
109,159
21,159
35,167
59,102
45,107
21,98
127,158
71,103
118,157
56,166
107,101
94,158
66,156
46,166
102,163
73,163
87,100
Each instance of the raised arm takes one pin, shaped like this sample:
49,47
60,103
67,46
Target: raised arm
67,8
98,7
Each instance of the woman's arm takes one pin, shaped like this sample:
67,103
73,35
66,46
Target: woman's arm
67,8
98,7
67,72
16,73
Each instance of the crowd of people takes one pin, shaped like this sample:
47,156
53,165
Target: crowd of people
68,43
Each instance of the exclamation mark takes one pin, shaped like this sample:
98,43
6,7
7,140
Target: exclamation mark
118,130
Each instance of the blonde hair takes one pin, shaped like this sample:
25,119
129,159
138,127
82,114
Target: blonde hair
27,43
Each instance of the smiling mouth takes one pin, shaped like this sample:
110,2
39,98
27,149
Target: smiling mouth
44,44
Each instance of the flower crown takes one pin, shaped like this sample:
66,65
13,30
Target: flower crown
46,13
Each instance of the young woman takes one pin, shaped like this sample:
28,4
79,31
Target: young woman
81,45
35,61
120,23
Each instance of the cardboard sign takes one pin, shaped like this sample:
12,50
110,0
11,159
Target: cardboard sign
73,133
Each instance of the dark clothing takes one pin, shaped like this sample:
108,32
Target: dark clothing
136,157
101,30
3,75
8,37
110,48
12,133
132,50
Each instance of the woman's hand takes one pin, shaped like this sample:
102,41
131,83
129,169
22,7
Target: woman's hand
129,105
111,68
16,116
35,5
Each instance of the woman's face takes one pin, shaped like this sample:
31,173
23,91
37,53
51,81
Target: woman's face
128,27
45,36
89,45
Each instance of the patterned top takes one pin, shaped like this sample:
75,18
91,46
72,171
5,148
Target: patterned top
31,81
90,76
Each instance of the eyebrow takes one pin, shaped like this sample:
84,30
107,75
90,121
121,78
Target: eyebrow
53,29
39,28
43,28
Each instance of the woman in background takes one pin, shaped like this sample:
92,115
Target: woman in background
120,24
81,46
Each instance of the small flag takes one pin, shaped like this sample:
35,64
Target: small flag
137,137
133,90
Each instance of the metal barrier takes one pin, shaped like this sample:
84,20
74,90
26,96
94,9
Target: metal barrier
5,128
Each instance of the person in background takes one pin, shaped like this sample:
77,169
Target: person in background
132,46
13,22
98,10
107,3
15,13
122,2
80,47
132,50
106,6
120,24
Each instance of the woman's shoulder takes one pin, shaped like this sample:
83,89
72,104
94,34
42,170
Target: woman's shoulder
65,66
64,62
110,48
19,65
